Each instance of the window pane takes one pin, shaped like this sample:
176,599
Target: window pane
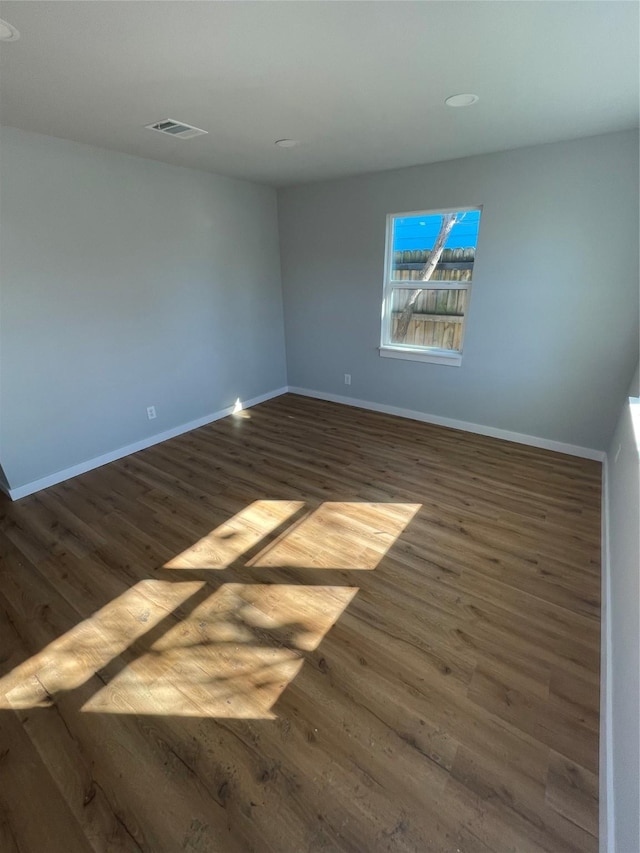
414,238
436,318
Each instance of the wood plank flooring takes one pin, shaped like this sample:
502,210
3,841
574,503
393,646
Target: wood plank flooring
304,628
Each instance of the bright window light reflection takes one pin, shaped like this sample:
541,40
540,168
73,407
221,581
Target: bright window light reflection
634,408
239,412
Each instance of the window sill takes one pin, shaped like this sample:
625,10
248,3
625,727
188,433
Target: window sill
435,356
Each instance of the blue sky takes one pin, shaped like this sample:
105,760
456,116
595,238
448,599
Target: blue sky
420,232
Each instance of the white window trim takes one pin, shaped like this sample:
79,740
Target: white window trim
432,354
435,355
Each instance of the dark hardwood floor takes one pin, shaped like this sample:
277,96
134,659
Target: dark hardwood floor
304,628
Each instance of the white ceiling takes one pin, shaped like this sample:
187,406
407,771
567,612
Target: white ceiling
361,84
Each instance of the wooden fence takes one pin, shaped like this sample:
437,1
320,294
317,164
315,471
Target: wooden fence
438,315
457,257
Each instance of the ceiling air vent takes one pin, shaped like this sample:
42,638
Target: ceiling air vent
176,128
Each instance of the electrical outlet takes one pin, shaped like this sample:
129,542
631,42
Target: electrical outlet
347,379
151,412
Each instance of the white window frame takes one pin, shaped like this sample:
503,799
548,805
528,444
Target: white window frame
411,352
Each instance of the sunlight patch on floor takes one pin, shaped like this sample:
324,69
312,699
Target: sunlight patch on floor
231,657
340,535
225,652
76,656
228,542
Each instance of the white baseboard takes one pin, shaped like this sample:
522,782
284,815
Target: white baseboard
607,803
98,461
480,429
58,477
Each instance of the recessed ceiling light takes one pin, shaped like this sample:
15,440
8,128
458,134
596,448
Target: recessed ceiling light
8,32
462,100
287,143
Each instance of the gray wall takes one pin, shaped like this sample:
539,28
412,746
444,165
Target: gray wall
624,618
552,332
126,283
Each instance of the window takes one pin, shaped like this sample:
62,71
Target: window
427,282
